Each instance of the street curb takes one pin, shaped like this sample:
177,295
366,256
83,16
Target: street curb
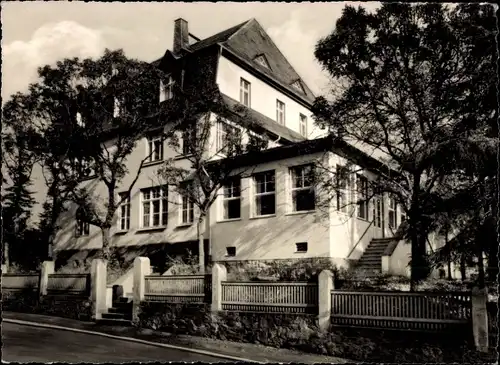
130,339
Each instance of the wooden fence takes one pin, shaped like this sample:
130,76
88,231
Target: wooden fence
178,289
270,297
18,282
401,310
73,284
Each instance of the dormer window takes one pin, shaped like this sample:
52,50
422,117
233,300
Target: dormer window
262,60
167,89
298,86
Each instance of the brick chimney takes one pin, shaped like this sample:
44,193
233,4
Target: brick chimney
181,35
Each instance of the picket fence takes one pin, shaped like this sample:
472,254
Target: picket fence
401,310
270,297
19,282
67,284
178,289
72,284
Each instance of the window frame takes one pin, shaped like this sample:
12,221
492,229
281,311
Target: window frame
167,90
294,189
280,112
163,207
378,211
256,195
392,208
342,186
151,148
303,125
223,130
127,205
245,90
362,191
82,228
186,206
225,199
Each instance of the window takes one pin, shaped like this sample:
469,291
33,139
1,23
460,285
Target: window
265,193
377,211
262,60
117,108
124,212
186,142
84,168
362,190
82,226
392,212
167,90
280,112
231,251
232,199
245,92
298,86
342,182
187,205
155,149
403,216
301,246
79,120
154,207
303,198
228,138
303,125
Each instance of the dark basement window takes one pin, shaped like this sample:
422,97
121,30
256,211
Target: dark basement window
231,251
301,246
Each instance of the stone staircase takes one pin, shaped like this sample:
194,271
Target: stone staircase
370,263
119,314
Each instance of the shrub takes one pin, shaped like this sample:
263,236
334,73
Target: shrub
279,270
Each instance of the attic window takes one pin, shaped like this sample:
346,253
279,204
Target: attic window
298,85
262,60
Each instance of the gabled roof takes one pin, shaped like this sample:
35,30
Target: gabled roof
249,40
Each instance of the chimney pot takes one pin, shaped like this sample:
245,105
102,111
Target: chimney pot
181,35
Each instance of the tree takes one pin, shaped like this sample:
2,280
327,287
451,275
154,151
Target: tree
414,84
211,136
18,162
93,113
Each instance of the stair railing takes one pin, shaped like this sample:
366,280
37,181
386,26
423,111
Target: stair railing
363,235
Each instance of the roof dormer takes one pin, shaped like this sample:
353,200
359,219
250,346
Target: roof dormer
297,85
262,60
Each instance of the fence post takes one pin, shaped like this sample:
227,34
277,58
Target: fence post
219,274
325,287
142,267
47,269
98,278
480,318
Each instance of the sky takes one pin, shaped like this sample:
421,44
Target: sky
39,33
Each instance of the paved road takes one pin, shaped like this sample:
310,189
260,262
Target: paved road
21,343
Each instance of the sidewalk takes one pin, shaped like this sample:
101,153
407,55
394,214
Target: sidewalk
245,350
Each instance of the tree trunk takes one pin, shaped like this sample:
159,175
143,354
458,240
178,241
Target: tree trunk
201,246
418,239
449,261
463,273
106,250
6,255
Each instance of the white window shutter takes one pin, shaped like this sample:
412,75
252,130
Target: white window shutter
116,109
163,97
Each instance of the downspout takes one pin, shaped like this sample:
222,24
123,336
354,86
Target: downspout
279,137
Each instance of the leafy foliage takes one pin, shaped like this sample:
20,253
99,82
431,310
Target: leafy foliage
414,83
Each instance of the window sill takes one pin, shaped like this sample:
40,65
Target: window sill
88,178
363,219
184,225
182,157
152,163
151,229
263,216
301,212
229,255
229,220
300,252
121,233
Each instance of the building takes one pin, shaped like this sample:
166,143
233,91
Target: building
281,221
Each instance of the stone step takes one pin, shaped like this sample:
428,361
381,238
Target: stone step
119,310
114,322
370,261
113,315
